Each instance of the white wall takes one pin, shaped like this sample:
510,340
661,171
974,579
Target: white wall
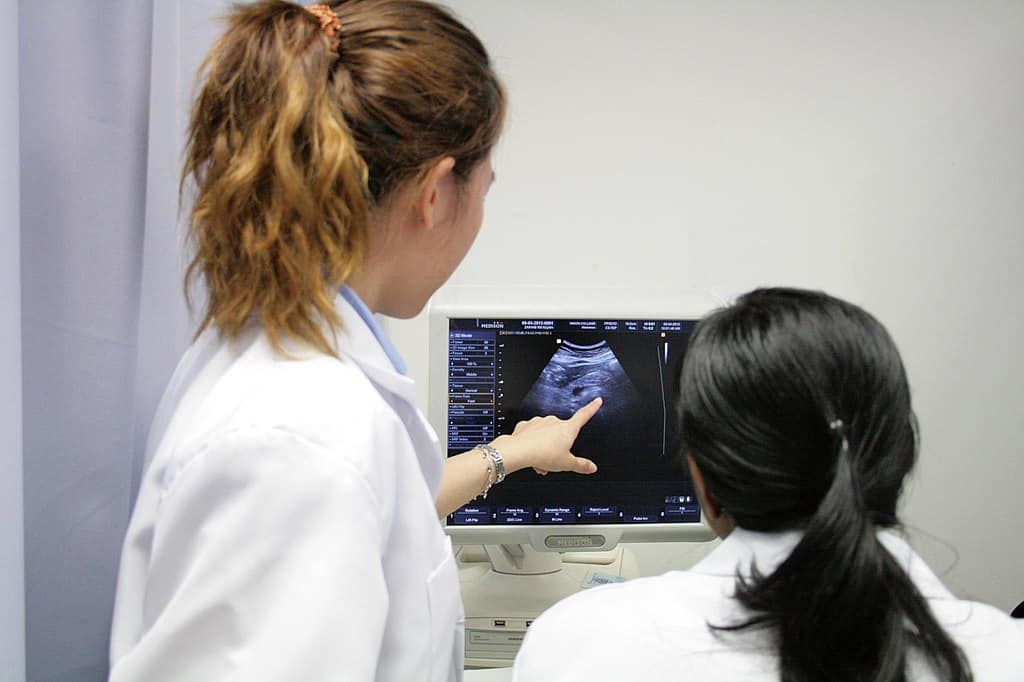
874,150
12,557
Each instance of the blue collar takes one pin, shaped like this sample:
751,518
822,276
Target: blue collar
378,332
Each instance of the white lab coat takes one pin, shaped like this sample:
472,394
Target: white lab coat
285,527
655,629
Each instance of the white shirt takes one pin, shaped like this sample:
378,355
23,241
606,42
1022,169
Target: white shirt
654,629
285,527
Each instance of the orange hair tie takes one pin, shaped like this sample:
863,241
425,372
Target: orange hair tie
329,24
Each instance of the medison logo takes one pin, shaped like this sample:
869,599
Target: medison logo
573,541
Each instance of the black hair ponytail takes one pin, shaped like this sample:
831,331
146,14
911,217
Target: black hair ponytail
795,407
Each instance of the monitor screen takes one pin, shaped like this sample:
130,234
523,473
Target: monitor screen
501,370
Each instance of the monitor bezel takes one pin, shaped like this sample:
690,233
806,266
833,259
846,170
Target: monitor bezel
554,303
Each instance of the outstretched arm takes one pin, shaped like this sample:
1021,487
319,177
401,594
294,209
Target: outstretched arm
543,443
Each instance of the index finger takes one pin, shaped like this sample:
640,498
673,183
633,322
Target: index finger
583,415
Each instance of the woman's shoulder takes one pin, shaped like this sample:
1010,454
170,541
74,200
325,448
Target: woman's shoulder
247,386
992,641
663,622
325,400
636,609
673,599
315,385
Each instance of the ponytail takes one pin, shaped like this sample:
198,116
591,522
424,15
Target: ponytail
841,604
281,212
775,454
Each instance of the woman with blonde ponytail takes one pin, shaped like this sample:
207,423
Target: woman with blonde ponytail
287,522
798,430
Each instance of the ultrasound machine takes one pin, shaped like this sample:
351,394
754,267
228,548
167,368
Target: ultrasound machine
500,356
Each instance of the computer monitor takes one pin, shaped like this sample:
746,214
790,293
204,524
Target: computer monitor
499,356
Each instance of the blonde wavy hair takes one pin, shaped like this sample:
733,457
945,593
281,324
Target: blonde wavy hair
291,145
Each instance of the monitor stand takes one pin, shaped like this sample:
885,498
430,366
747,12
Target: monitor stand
504,587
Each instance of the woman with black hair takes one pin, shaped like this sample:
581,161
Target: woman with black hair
799,433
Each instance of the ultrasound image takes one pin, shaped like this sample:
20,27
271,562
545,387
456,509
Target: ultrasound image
575,375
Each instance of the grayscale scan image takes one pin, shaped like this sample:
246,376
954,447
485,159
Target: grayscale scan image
575,375
558,372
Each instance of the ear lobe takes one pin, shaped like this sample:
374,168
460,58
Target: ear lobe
708,503
432,203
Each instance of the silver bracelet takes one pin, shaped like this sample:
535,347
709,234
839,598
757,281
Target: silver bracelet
499,463
494,463
490,470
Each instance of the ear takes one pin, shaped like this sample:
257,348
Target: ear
716,516
432,203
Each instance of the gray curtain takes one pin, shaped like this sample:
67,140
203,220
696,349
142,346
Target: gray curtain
103,94
84,97
12,580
